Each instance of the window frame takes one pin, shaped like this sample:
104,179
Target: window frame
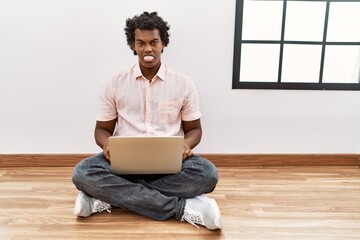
238,41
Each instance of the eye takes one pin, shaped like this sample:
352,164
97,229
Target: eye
140,44
154,43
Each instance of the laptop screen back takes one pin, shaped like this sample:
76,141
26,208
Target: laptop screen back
146,155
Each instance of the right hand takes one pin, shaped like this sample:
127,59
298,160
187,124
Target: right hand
106,150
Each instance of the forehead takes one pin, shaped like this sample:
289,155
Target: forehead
147,34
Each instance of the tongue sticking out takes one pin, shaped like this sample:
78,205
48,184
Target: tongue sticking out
148,58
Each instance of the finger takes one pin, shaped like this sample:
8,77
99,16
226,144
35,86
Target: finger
107,154
187,153
190,153
184,155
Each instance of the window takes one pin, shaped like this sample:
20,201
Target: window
297,44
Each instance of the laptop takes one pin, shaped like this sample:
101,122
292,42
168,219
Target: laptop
146,155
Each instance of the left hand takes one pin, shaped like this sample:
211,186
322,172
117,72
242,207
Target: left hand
187,152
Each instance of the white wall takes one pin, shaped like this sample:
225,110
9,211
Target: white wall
55,56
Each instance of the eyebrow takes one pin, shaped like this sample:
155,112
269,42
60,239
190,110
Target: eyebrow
155,39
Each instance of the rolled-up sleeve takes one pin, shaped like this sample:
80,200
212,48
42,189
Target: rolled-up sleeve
107,103
191,107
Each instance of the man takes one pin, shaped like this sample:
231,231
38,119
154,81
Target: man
149,99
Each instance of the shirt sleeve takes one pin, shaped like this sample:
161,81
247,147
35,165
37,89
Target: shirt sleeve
191,109
107,103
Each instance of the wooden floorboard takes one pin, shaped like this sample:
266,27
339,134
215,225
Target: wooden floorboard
256,203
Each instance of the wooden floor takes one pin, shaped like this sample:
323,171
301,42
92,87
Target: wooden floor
256,203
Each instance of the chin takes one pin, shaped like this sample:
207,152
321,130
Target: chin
149,65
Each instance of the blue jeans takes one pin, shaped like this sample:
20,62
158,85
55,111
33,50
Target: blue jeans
158,197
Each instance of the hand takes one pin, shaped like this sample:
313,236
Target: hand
187,152
106,150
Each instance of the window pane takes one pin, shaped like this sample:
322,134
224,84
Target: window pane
305,21
342,64
262,20
259,62
344,22
301,63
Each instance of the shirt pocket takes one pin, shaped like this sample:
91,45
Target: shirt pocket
169,112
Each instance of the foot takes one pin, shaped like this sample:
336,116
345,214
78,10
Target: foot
204,211
85,205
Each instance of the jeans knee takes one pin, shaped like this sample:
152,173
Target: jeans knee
213,175
75,176
87,171
209,173
80,172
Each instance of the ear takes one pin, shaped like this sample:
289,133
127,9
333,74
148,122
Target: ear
133,48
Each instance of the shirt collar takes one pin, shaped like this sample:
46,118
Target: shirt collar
160,74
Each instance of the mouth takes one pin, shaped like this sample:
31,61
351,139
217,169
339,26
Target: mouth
148,58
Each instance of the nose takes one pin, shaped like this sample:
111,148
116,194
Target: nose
148,48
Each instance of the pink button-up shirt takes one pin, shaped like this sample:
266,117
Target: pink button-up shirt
149,109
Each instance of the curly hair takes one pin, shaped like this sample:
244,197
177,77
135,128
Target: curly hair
146,21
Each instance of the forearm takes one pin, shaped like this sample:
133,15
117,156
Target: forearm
192,137
101,137
103,130
192,132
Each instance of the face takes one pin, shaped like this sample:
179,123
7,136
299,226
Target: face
148,46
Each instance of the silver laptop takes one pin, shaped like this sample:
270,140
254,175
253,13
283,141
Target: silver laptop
146,155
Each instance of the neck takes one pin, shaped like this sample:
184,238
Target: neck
149,73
